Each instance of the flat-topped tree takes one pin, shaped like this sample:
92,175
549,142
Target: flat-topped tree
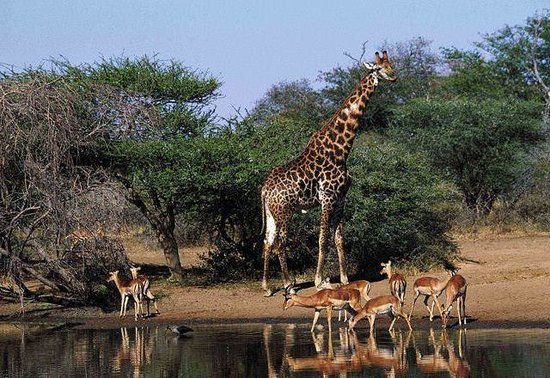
318,176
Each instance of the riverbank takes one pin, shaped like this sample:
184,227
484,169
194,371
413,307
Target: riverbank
508,286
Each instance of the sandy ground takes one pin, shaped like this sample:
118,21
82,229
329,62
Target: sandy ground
508,284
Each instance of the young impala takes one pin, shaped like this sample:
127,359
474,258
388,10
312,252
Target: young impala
398,285
131,288
324,299
145,289
385,304
362,286
428,287
455,291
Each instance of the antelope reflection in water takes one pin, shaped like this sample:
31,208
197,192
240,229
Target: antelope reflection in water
454,364
138,353
344,351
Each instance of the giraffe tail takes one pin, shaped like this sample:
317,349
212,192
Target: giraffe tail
263,214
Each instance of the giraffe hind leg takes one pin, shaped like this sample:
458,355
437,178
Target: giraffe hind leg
270,235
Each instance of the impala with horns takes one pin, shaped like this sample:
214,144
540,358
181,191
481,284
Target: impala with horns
324,299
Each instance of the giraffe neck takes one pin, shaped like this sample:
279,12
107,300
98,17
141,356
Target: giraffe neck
341,129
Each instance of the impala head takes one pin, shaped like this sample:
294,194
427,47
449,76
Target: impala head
382,67
135,269
445,316
386,268
287,294
112,276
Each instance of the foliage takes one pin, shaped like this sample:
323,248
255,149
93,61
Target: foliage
393,210
480,145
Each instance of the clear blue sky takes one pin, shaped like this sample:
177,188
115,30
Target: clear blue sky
248,45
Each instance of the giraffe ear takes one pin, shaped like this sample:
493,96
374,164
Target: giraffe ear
378,60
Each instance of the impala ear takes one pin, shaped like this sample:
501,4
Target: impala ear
382,264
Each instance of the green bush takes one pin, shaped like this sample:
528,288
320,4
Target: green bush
393,210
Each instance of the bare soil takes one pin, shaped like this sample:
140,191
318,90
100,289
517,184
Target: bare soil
508,285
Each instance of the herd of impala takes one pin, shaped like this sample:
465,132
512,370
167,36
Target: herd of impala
348,297
345,297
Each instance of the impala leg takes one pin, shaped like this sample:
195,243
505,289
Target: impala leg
371,323
121,306
353,321
392,322
459,310
137,307
329,319
315,318
404,316
416,295
126,300
464,306
438,305
426,298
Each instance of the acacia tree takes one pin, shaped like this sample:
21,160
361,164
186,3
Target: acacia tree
154,156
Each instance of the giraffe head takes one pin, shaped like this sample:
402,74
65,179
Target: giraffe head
382,67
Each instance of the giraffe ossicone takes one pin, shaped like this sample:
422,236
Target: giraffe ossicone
318,177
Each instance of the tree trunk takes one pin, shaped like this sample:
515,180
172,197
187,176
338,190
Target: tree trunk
162,219
169,246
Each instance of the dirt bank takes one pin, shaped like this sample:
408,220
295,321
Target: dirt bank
508,277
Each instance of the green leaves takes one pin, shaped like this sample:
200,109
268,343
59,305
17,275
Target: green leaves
479,145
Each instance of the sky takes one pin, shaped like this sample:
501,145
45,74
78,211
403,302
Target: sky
248,45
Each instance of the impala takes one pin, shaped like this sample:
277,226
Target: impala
145,289
324,299
429,287
362,286
398,285
385,304
131,288
455,291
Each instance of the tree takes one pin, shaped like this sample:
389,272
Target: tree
155,157
479,145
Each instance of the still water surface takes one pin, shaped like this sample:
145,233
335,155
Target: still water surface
272,351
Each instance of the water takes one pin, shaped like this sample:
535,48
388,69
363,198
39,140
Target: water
271,351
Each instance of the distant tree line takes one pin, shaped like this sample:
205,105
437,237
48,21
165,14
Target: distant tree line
459,132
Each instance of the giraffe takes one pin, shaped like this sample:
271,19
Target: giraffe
318,176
